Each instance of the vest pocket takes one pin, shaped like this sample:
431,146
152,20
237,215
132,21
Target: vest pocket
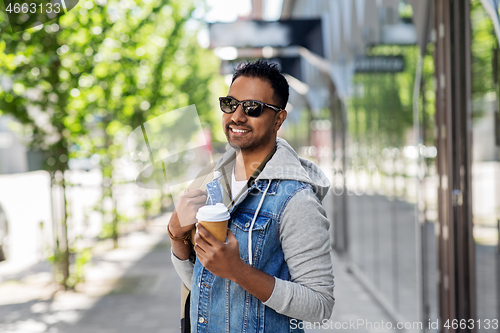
240,226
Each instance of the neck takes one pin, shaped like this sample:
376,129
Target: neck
248,162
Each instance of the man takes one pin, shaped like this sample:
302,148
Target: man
274,270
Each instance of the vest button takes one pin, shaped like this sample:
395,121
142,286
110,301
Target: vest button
247,225
201,320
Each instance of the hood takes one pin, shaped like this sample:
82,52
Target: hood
287,165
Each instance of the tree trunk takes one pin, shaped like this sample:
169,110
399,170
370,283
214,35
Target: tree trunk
65,242
115,217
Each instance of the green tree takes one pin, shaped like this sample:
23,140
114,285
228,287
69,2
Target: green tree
83,81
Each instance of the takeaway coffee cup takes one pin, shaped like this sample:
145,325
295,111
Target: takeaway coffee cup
214,218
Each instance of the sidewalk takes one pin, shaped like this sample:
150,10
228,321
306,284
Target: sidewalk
135,289
130,289
352,304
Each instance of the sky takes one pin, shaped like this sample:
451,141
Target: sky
227,10
230,10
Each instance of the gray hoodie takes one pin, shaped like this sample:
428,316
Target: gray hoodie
304,237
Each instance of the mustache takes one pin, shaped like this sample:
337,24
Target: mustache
242,127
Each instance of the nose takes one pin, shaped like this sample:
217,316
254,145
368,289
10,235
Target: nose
239,116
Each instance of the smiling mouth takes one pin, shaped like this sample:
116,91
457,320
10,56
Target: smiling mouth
238,131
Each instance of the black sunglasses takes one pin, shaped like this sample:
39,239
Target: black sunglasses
250,108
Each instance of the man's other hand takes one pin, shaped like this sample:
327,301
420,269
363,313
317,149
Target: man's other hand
185,210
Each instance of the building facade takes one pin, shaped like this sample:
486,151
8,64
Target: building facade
398,100
410,99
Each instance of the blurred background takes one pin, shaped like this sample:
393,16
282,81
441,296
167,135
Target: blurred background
396,100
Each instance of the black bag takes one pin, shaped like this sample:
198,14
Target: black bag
185,322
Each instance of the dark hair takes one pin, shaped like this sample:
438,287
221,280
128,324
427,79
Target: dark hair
268,71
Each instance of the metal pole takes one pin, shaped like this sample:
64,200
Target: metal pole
419,212
345,223
498,269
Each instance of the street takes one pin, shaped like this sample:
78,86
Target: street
135,289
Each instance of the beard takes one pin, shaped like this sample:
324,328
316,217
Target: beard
247,144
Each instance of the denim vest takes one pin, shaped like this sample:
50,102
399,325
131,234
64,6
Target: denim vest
220,305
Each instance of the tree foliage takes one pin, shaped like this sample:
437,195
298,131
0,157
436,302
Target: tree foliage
80,83
100,70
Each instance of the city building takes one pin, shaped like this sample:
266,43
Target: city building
400,100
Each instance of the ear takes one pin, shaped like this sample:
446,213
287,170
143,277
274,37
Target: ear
279,119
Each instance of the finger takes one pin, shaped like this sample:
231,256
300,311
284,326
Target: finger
231,239
199,200
201,255
207,236
200,195
230,236
198,248
200,242
195,193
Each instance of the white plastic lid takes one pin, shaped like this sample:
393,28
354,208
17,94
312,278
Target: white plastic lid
213,213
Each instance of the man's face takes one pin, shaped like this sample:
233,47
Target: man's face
257,131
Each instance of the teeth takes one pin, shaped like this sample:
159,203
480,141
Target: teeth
238,131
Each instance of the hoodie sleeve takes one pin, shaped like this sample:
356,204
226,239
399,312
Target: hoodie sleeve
184,269
306,244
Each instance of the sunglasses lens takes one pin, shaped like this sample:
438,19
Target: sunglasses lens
253,109
227,105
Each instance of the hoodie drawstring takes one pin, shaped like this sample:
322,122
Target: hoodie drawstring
250,255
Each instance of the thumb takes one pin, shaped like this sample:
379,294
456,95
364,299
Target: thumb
230,236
